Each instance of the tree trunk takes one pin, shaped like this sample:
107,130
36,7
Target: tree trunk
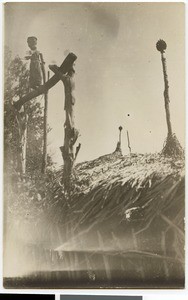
166,94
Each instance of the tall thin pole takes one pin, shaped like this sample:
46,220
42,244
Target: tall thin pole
70,132
22,121
166,94
172,146
161,47
44,154
120,129
118,147
128,141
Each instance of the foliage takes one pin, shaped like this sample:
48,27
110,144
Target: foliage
26,200
16,85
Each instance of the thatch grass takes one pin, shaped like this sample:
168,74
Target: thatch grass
138,191
172,147
131,190
130,207
109,186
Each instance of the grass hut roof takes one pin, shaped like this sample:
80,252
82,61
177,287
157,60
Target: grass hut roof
123,188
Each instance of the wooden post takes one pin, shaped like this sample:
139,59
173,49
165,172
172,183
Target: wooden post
68,150
70,132
120,129
172,146
118,147
22,120
24,144
161,47
44,155
128,142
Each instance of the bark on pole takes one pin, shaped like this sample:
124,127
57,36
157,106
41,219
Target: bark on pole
44,155
161,47
118,147
128,142
120,130
70,132
22,120
172,146
69,60
24,145
166,93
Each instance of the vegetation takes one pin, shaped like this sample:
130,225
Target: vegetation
17,187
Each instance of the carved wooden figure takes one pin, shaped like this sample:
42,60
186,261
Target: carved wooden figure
35,78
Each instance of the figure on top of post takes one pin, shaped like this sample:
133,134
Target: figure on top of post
35,78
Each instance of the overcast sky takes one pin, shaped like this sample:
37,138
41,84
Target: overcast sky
119,78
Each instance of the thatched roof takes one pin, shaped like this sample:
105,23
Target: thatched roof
125,216
122,187
110,192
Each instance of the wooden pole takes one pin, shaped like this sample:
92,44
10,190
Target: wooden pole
118,147
120,130
44,158
70,132
24,144
68,149
172,146
166,94
22,120
161,47
43,68
128,141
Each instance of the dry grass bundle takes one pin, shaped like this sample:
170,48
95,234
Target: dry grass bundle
172,147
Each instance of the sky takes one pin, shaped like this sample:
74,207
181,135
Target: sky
119,79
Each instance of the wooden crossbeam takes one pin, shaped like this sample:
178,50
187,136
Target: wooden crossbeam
65,66
57,71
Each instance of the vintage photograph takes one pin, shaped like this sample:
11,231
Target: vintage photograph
94,145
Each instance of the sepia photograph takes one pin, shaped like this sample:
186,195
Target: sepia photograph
94,145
